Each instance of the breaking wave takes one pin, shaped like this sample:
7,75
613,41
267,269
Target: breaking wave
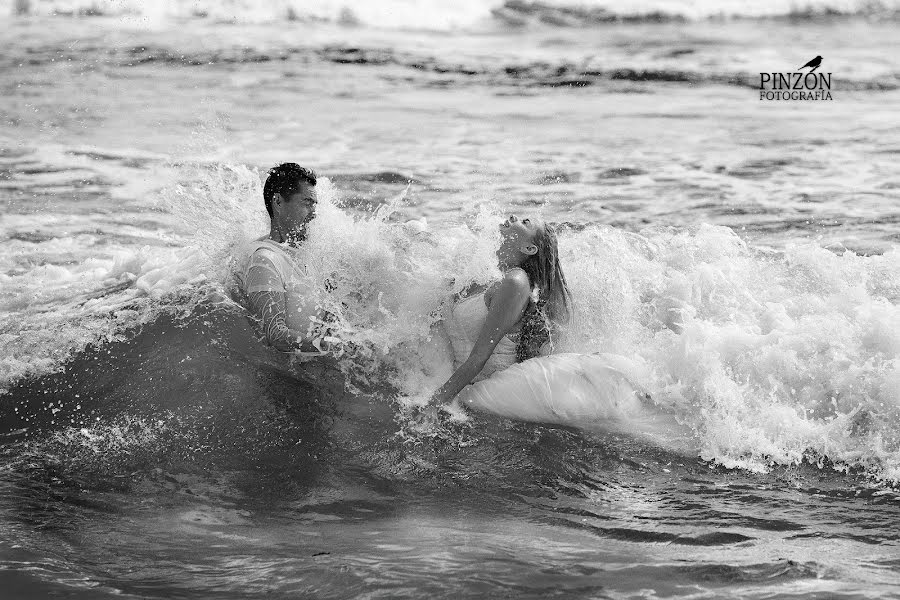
770,357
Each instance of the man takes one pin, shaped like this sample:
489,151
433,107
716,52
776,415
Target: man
277,287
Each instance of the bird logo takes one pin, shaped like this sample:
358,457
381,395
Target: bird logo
814,63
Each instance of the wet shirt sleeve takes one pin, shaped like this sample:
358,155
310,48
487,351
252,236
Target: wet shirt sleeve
266,290
264,273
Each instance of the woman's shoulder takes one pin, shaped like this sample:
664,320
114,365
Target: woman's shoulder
515,283
516,277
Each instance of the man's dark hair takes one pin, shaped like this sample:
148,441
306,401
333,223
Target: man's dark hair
285,179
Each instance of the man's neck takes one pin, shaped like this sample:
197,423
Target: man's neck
276,235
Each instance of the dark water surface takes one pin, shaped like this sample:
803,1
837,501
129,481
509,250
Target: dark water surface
195,471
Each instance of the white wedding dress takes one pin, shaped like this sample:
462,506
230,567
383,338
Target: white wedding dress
588,391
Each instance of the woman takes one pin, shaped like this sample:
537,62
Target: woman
501,334
511,320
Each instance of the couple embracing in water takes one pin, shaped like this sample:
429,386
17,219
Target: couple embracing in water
501,334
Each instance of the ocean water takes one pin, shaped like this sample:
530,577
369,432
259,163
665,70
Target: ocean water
745,253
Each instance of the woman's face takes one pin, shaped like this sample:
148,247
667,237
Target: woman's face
517,239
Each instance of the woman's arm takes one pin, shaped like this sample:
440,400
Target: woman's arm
507,306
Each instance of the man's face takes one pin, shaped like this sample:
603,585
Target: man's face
292,214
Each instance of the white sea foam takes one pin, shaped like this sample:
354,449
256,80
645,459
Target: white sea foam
773,354
65,292
390,14
436,15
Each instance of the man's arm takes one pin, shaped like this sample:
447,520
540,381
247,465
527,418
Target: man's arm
266,293
269,306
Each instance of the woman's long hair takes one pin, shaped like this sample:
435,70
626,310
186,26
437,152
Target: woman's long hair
550,305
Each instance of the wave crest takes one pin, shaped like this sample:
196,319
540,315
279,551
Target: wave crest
436,15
